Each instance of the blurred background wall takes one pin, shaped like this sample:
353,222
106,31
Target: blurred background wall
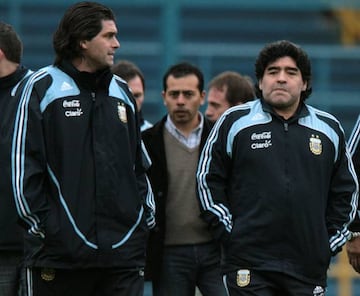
219,35
216,35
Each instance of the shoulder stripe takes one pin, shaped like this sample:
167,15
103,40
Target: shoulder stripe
27,74
255,117
62,85
116,91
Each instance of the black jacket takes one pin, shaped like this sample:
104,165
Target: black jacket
280,194
11,238
154,142
354,147
80,186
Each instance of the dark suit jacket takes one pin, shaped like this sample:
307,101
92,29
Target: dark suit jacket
154,142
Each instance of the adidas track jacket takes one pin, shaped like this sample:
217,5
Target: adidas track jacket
279,194
79,184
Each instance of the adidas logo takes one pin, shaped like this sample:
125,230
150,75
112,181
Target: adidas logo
65,86
257,116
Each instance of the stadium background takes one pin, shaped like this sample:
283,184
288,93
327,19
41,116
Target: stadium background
220,35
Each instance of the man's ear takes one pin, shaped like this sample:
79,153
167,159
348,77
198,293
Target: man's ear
163,96
304,86
83,44
203,95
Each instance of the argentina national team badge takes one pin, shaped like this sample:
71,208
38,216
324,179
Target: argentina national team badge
315,145
122,112
243,277
47,274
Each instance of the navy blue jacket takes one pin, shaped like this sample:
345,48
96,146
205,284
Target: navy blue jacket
279,194
80,185
11,238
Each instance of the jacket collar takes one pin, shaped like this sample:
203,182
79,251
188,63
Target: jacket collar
301,111
91,81
11,80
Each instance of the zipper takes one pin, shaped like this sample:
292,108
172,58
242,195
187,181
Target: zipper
286,126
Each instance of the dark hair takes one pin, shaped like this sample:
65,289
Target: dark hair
81,21
184,69
10,43
127,71
279,49
239,88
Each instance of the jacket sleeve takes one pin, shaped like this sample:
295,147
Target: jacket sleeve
143,162
29,160
212,177
343,197
354,149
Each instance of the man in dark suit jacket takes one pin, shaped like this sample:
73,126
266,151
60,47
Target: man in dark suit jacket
181,251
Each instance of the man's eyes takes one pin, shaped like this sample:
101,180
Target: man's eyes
289,72
136,96
185,93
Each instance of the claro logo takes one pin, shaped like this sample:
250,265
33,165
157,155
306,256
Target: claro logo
261,140
72,113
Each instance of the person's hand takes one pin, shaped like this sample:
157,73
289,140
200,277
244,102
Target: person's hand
353,252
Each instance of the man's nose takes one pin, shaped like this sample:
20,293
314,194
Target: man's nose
181,99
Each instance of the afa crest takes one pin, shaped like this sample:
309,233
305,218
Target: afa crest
315,145
122,112
48,274
243,277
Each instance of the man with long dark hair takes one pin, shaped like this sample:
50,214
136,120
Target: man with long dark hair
81,189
